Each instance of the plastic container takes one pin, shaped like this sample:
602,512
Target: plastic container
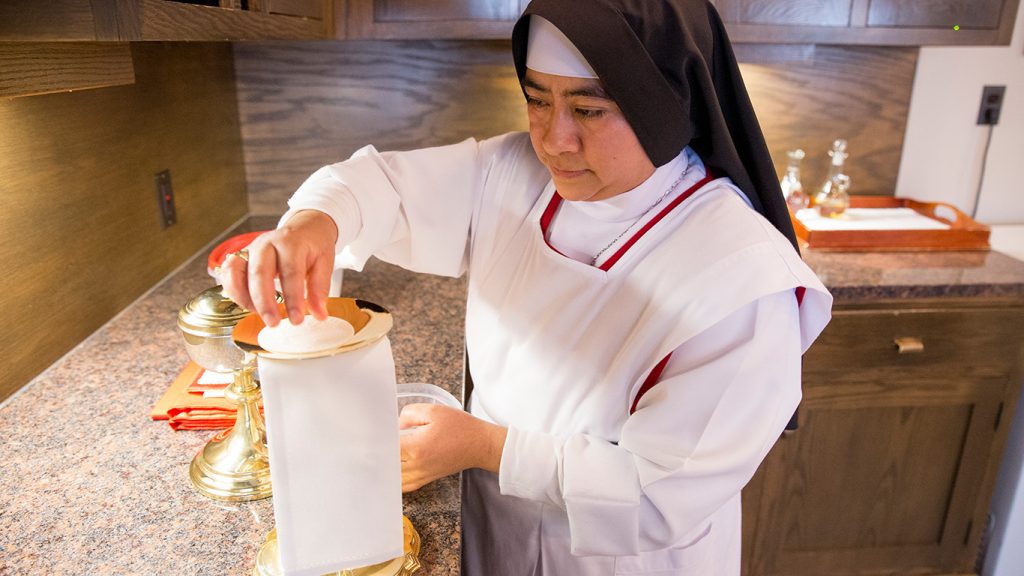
420,393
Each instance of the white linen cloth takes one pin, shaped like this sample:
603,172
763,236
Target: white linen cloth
870,219
332,436
558,350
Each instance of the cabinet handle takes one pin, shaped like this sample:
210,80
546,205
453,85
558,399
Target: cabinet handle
908,345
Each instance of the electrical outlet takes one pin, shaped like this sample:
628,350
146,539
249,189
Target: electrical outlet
991,105
165,197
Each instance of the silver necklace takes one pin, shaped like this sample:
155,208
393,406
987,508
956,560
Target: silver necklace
641,216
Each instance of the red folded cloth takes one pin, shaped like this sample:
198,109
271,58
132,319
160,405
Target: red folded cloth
184,410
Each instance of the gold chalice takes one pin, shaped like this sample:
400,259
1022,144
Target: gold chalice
233,465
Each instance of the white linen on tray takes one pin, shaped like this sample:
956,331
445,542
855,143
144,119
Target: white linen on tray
870,219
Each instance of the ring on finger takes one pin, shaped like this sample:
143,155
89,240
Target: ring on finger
243,254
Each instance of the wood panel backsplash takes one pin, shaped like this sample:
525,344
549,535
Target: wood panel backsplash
80,231
861,94
303,105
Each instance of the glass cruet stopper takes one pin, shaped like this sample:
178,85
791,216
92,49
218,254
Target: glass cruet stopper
792,188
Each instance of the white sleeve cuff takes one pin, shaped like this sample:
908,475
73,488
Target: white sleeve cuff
530,466
602,497
599,479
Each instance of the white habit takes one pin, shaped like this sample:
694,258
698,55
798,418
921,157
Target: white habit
559,349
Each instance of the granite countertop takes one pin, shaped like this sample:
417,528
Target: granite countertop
90,485
869,276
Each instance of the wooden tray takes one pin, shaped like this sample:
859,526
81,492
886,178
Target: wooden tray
963,233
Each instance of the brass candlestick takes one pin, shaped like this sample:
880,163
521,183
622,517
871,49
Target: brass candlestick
233,465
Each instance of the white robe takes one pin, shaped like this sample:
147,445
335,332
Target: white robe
559,350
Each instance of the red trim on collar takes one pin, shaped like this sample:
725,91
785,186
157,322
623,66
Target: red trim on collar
556,201
650,381
607,264
548,216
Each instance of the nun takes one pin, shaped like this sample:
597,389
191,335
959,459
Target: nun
637,307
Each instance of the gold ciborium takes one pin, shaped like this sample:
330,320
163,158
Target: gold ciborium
371,323
233,465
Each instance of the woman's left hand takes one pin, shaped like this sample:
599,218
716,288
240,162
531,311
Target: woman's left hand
447,440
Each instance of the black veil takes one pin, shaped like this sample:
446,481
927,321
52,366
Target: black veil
670,67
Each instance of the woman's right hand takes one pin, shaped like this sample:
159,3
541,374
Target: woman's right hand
301,254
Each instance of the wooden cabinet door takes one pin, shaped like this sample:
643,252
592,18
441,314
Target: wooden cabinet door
59,20
892,467
264,20
982,14
880,478
131,20
786,12
427,19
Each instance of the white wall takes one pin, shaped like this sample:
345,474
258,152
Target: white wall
943,147
1005,554
942,158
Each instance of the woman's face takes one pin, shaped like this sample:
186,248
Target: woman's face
580,134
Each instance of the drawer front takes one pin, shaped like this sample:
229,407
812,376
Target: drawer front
864,345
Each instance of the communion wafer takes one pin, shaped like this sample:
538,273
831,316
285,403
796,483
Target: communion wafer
310,336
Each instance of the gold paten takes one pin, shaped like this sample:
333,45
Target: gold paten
268,561
233,465
370,321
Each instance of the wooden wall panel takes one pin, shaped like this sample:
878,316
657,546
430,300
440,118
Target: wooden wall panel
80,233
306,105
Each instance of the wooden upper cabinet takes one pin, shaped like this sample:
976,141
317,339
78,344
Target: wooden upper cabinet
131,20
429,19
877,22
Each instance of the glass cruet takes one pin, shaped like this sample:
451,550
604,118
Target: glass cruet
837,200
792,188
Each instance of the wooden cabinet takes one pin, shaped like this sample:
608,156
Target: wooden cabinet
429,19
881,22
892,468
130,20
63,45
943,14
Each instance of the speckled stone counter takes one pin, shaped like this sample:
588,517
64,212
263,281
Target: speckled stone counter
90,485
859,276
